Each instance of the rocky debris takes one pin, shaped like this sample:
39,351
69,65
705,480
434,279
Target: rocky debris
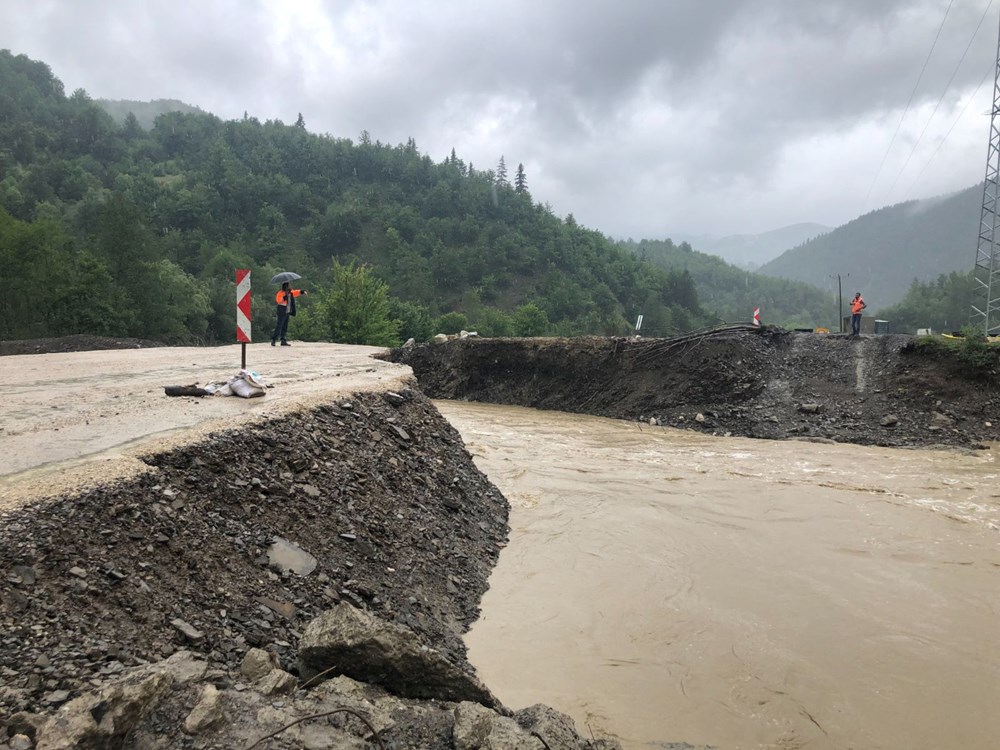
555,729
207,713
768,383
106,717
187,542
479,728
190,632
179,702
257,664
351,642
288,557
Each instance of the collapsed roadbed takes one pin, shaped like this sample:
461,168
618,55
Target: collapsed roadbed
763,383
230,555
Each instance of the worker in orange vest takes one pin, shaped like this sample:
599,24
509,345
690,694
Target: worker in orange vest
285,299
857,305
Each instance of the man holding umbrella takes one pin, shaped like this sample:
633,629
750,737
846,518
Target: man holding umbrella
285,299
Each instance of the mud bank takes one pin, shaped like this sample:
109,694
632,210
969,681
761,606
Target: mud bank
239,541
878,390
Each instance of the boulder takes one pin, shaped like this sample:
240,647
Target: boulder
258,663
288,557
479,728
207,713
104,718
277,682
362,647
555,728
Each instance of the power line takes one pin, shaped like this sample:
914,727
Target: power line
940,99
957,120
909,101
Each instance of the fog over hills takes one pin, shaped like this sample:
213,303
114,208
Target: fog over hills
883,251
753,250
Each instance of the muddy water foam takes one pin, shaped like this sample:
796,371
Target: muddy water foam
669,586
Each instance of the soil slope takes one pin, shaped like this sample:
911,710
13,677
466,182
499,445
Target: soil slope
767,383
378,489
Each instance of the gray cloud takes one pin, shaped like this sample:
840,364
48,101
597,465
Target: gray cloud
640,117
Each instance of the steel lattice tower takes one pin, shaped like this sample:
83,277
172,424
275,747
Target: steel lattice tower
986,287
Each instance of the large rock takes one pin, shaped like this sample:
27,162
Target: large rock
367,649
207,713
258,663
99,719
105,717
555,728
478,728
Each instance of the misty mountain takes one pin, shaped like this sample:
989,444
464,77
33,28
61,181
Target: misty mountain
753,250
145,112
881,253
730,293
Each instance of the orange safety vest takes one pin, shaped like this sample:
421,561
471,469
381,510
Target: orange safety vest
280,299
857,305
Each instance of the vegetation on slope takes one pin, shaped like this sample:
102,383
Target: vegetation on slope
885,249
731,293
120,231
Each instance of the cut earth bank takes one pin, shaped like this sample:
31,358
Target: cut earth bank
184,594
760,383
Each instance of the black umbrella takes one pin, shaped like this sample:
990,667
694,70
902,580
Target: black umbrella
281,278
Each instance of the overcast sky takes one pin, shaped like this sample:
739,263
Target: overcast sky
643,118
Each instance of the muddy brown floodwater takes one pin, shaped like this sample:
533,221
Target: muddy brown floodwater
664,585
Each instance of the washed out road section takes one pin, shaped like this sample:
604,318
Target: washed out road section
71,419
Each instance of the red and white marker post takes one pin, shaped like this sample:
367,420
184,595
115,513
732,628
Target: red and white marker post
756,317
243,332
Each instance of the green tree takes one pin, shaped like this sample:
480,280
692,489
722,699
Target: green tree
501,173
530,320
451,322
494,322
356,310
520,180
415,320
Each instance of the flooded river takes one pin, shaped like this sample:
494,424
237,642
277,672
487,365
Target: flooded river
662,586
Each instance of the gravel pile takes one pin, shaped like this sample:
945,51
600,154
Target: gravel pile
239,540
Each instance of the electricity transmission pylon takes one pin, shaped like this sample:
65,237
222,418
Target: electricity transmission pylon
986,286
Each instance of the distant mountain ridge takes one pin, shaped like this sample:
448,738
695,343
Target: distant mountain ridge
753,250
881,253
145,112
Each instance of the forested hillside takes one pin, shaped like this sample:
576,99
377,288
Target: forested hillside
885,250
943,305
144,112
115,230
730,294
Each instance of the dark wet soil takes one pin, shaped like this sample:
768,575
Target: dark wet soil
76,343
768,383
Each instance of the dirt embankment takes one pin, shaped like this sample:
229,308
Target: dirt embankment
377,490
770,383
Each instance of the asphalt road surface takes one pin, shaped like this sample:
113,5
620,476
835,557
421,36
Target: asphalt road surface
68,420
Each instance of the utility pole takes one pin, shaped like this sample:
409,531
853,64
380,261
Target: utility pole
986,287
840,300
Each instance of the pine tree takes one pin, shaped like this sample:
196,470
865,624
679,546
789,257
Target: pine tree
301,122
520,181
501,178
